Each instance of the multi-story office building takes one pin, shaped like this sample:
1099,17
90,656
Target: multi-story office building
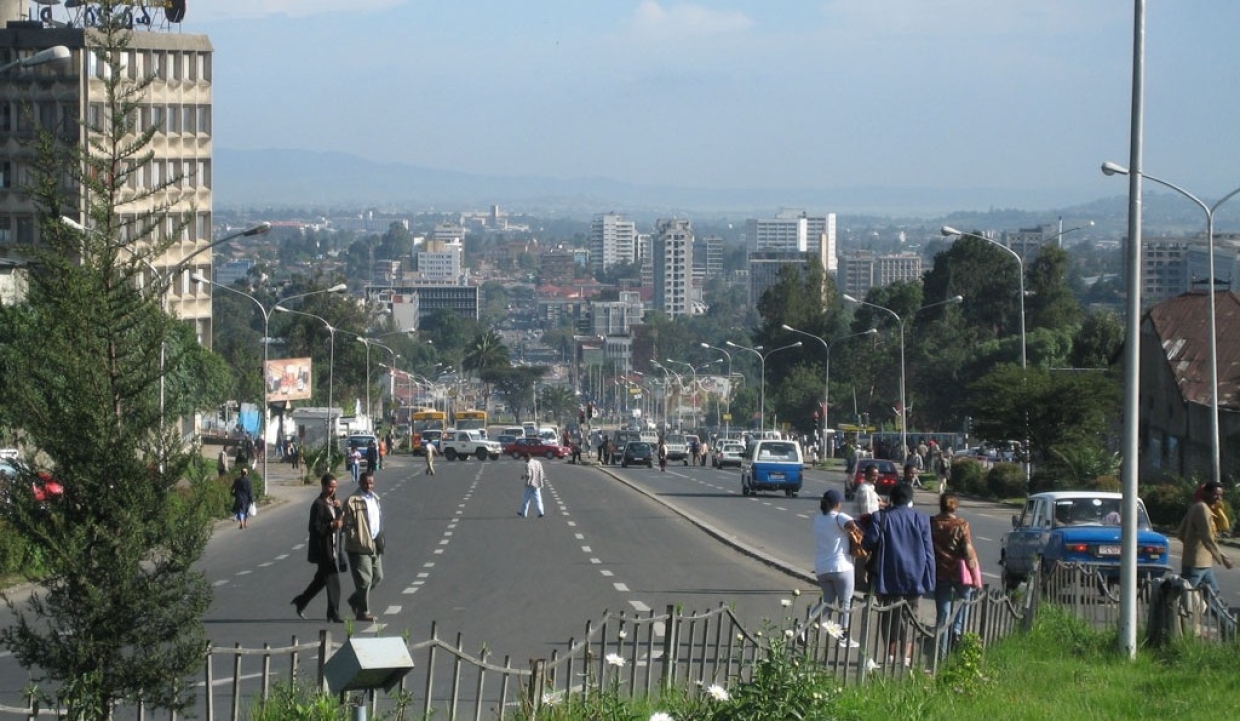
861,270
1026,242
439,261
1163,270
616,317
707,258
67,98
613,240
1226,263
557,267
765,267
673,267
786,233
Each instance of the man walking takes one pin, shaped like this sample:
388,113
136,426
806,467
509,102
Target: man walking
363,528
1201,550
905,566
534,479
430,458
323,551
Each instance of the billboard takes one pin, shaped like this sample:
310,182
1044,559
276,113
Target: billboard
288,379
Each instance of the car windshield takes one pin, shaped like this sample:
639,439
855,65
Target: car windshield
1093,512
639,447
777,452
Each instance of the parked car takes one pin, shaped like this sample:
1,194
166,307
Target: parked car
637,453
772,466
888,477
1077,527
534,446
677,448
505,439
727,453
44,488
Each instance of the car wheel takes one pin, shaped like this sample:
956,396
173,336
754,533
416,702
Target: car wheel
450,454
481,454
549,455
790,494
624,465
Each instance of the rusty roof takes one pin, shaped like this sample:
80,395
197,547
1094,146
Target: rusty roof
1183,328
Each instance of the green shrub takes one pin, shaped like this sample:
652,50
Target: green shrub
1167,502
1046,478
1006,480
968,476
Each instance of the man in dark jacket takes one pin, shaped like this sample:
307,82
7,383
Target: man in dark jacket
326,520
905,565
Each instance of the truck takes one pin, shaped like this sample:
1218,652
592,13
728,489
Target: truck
457,444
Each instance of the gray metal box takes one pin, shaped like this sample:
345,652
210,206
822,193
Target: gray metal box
367,663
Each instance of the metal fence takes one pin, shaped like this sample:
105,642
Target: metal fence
644,654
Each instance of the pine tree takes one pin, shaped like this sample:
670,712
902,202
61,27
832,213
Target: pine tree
117,614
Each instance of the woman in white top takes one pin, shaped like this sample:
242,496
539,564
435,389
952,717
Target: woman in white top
833,563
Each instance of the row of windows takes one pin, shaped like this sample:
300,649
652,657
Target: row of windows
168,119
169,65
187,227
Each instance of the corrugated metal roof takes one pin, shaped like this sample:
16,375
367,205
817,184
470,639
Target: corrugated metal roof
1183,327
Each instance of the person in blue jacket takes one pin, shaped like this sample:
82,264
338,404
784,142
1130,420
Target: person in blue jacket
904,565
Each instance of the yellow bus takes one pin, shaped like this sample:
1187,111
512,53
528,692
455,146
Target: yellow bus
426,419
469,420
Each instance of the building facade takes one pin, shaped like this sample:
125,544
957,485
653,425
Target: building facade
67,98
861,270
613,240
672,256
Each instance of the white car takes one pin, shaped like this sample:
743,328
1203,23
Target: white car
728,453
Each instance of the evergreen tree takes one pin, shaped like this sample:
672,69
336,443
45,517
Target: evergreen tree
117,613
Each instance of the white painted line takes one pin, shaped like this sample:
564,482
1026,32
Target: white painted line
423,575
283,556
572,524
410,590
447,533
595,560
428,564
264,565
244,573
586,549
438,551
579,536
445,541
391,610
621,587
639,606
607,573
217,584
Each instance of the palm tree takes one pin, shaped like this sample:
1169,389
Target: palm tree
559,401
488,351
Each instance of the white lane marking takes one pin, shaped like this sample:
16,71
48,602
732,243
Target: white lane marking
607,573
268,563
423,575
244,573
217,584
438,551
391,610
444,541
621,587
579,536
283,556
586,549
410,590
572,524
428,564
639,606
595,560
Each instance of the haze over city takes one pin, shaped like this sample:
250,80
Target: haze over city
994,99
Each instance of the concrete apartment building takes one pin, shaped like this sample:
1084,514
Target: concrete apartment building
861,270
613,240
672,258
67,99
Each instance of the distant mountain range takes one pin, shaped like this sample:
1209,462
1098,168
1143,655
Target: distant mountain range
304,179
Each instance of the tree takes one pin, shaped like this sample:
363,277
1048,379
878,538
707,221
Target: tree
558,401
1050,302
487,351
118,614
515,385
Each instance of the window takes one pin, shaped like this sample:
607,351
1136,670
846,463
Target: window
189,119
25,229
205,75
47,116
204,119
157,118
174,119
204,174
159,64
6,117
6,230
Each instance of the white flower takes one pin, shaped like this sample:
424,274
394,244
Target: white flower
870,665
788,633
615,659
832,628
623,635
551,698
785,602
660,716
796,592
718,692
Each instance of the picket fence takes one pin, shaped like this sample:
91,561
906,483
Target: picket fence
659,651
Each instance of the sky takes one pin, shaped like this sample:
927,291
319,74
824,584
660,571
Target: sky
985,95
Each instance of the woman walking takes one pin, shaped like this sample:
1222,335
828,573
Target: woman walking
243,497
833,563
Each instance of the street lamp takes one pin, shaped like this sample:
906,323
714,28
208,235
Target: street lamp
1059,235
693,389
757,350
369,342
900,322
200,278
727,412
43,57
1216,466
1020,269
331,368
826,384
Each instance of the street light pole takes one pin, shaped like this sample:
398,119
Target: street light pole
900,322
369,342
1216,461
826,384
1020,269
200,278
729,398
757,350
48,55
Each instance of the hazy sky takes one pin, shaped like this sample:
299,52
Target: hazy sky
975,94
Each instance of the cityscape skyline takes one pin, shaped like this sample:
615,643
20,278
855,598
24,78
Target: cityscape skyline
729,95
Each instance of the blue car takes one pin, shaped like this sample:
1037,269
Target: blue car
1077,527
772,465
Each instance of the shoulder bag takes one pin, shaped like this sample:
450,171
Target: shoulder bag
855,536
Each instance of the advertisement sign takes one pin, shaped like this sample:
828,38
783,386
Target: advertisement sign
288,379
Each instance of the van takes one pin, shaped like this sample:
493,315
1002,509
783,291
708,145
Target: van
772,465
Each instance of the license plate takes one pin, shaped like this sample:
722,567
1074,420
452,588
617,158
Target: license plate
776,476
1108,550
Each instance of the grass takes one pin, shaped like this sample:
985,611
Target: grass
1064,670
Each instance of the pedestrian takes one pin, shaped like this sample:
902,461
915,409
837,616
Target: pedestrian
662,453
912,477
294,454
364,542
221,462
355,463
243,497
602,446
704,453
372,456
954,552
833,564
324,550
904,567
534,479
867,494
430,458
1201,549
